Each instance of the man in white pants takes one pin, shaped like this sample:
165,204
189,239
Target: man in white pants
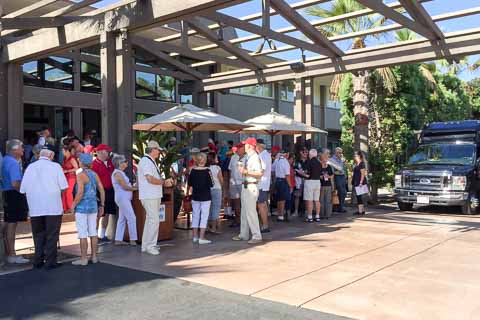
150,193
252,171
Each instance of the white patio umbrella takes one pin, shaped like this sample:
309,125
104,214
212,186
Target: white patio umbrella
188,118
274,123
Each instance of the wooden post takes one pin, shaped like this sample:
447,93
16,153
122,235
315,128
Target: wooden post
323,115
15,101
125,86
108,74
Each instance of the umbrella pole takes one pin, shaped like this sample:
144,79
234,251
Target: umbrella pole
187,160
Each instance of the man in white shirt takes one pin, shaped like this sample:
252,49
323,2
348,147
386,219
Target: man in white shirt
251,169
264,185
150,191
43,184
44,135
281,168
236,180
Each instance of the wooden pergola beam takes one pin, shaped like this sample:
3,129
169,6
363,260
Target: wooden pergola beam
31,8
396,16
382,29
35,22
267,33
418,12
304,26
315,23
251,17
456,44
134,16
186,52
60,12
225,45
160,71
147,45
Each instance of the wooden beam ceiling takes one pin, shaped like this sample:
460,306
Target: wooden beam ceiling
267,33
304,26
315,23
29,9
150,47
224,44
457,44
134,16
186,52
382,29
421,16
30,23
396,16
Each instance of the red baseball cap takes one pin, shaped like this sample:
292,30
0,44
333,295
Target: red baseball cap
102,147
240,145
88,149
251,141
276,148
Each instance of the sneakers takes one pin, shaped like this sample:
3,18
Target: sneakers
238,238
153,251
103,241
204,241
17,260
255,241
195,240
80,262
95,260
280,218
265,230
133,243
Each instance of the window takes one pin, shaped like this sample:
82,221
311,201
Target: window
51,72
334,104
31,76
90,78
58,73
287,91
155,87
265,91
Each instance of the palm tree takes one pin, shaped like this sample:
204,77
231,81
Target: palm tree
361,100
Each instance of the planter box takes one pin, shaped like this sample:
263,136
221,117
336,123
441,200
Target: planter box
166,228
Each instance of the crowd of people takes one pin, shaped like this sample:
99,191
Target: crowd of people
85,178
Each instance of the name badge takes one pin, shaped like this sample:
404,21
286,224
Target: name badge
161,213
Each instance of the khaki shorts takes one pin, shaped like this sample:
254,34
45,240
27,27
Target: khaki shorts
311,190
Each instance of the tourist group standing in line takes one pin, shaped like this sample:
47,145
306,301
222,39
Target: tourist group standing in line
246,180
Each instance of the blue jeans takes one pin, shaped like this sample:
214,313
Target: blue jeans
340,185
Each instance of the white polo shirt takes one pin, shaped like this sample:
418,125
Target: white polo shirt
146,190
281,167
43,183
266,160
236,177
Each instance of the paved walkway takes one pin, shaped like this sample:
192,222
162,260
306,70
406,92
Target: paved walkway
104,291
386,265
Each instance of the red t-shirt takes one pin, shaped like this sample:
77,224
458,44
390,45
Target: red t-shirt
104,172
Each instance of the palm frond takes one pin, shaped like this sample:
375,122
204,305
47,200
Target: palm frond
388,78
335,86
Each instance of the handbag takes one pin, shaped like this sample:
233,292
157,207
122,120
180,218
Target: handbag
335,198
187,204
360,190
